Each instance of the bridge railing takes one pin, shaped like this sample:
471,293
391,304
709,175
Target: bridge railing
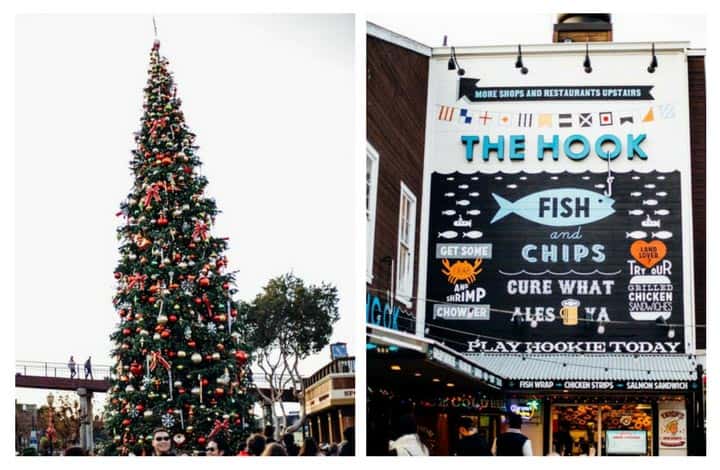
60,370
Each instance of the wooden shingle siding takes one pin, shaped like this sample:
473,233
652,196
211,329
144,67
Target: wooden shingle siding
696,80
397,81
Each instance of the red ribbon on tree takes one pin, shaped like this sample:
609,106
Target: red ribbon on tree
206,301
153,192
158,123
219,426
200,231
136,279
156,358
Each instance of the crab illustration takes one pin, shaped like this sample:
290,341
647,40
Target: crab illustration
461,270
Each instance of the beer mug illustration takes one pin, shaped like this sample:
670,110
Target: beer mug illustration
569,311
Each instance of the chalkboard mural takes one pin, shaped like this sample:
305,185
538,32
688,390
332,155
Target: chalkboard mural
556,262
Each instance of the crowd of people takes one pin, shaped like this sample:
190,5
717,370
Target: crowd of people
411,441
257,445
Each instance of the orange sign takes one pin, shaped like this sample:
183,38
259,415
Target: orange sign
648,254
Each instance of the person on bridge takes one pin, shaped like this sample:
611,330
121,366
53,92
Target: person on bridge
71,366
88,369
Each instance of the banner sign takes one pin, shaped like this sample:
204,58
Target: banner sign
553,263
595,385
672,428
557,207
470,90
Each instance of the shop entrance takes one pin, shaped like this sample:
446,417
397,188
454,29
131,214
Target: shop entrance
602,429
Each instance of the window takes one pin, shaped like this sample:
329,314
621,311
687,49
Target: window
371,183
406,245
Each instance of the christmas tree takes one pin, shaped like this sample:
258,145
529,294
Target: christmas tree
181,360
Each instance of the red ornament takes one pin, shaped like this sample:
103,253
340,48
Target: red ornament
191,343
171,353
233,312
172,318
126,422
219,392
151,300
135,368
226,285
162,221
198,300
204,282
118,275
165,334
139,407
187,169
122,312
201,440
204,382
126,331
241,357
181,390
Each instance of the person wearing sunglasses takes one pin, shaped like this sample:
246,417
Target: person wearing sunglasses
214,449
161,442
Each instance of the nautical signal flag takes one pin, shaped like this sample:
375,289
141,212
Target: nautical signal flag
627,119
667,111
545,120
524,120
565,120
505,119
465,116
484,118
585,120
606,119
649,116
446,113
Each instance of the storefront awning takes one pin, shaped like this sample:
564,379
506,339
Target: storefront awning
433,355
592,372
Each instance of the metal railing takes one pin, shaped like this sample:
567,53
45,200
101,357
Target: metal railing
60,370
343,365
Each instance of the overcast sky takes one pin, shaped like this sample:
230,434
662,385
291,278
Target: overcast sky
475,28
271,99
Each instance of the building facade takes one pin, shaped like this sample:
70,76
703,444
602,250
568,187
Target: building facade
561,246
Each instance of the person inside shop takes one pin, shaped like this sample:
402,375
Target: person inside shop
513,442
564,440
470,443
408,443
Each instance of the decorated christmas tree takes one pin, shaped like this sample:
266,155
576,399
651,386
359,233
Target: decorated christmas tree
181,361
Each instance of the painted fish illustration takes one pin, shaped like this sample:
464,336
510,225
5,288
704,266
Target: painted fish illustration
499,178
449,234
473,212
599,186
523,178
636,212
662,212
664,235
462,202
586,178
553,177
512,186
637,234
650,202
450,178
636,194
636,178
661,194
475,194
560,207
474,178
650,186
472,234
449,194
661,177
448,212
463,186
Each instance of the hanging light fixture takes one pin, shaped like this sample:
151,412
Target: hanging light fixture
519,62
653,62
453,63
586,63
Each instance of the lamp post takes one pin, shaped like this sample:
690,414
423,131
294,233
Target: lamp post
50,431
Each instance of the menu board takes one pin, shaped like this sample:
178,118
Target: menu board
555,262
625,442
